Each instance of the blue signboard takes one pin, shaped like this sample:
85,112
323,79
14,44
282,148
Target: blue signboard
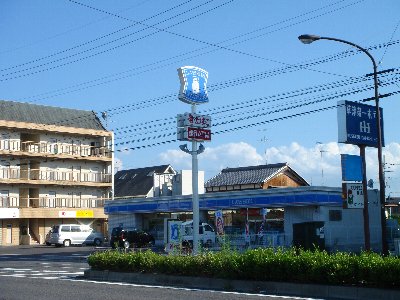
351,167
357,124
193,85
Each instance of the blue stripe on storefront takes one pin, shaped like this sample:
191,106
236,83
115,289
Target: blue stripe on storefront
173,205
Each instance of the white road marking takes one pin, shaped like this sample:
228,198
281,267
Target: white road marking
194,290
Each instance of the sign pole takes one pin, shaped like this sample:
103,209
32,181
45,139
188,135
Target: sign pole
195,194
367,241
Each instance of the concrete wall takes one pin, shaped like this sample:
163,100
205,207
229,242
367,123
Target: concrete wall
182,183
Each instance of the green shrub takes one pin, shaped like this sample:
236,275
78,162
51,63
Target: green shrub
264,264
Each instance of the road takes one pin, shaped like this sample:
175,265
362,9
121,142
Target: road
41,272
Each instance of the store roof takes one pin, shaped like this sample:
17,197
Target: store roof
252,175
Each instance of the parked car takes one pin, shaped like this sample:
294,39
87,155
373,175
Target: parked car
73,234
130,238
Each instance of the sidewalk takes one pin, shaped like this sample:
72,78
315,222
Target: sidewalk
269,288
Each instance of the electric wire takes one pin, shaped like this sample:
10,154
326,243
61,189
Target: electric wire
280,96
322,98
109,49
84,86
190,38
96,39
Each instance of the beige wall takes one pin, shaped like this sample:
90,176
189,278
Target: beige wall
14,231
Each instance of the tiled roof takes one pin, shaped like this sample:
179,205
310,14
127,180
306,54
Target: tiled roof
137,182
247,175
49,115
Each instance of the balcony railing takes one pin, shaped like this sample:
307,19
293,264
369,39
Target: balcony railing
9,202
70,202
52,202
55,148
50,175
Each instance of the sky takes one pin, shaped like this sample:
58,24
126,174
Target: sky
271,98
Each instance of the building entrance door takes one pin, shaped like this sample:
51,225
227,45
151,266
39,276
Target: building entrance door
9,234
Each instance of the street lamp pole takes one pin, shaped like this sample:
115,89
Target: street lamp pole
308,39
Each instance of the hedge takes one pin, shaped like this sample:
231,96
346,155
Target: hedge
264,264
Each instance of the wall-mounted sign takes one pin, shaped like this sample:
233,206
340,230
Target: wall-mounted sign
353,196
357,124
193,120
193,88
85,213
67,214
9,213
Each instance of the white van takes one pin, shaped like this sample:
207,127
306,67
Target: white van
69,234
206,233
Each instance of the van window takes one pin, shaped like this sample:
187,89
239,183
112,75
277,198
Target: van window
65,228
75,229
87,229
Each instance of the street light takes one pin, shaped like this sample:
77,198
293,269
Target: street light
308,39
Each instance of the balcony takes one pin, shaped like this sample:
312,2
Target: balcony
57,150
36,176
52,202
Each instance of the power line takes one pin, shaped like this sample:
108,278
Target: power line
115,47
96,39
186,37
93,83
247,103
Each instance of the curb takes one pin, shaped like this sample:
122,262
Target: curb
264,287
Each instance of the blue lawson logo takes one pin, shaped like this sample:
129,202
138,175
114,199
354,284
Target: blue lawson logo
193,85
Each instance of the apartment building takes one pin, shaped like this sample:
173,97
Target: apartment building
56,166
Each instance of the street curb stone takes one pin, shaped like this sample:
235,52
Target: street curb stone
264,287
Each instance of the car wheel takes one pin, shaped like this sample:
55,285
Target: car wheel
58,245
97,242
126,244
48,244
67,243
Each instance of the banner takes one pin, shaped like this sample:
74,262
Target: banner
219,222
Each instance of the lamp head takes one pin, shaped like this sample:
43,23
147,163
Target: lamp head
308,38
184,148
201,149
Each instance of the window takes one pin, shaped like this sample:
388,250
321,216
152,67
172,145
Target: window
65,228
75,229
335,215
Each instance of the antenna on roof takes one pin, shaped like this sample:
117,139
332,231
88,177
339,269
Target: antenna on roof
104,116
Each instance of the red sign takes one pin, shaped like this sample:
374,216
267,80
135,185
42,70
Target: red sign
198,134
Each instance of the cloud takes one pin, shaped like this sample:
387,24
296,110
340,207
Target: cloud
319,164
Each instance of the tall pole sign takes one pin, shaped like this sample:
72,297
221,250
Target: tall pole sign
195,128
357,126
